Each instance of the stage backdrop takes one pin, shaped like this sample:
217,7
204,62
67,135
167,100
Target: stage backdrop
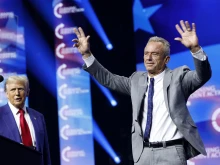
12,45
158,18
73,87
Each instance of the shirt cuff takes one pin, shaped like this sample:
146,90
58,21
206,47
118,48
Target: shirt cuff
200,55
89,60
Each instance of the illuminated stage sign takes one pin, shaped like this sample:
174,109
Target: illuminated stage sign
73,86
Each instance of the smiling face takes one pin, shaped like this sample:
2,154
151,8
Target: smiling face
155,58
16,92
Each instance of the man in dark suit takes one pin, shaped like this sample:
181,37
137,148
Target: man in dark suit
20,123
163,132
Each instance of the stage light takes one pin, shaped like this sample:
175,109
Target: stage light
90,14
109,46
117,160
100,138
106,92
114,103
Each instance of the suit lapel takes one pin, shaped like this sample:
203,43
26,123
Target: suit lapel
11,125
142,87
166,84
34,121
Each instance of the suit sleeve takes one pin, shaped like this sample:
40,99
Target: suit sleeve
46,150
192,80
106,78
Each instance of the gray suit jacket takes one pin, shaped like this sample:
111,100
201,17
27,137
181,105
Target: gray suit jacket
178,85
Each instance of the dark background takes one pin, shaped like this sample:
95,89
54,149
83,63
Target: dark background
116,19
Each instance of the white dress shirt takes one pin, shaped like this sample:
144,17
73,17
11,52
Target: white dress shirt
163,128
16,115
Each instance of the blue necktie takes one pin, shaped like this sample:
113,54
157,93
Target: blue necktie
149,109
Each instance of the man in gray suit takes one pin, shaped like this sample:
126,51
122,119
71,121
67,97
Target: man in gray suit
163,132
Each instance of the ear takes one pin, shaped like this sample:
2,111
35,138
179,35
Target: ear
167,59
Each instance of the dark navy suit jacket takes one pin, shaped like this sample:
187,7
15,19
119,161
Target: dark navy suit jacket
9,129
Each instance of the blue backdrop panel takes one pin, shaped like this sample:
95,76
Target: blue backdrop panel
12,45
73,86
158,18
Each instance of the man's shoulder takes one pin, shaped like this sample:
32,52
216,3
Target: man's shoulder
3,107
139,73
35,112
181,69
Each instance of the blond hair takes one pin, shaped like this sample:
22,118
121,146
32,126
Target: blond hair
19,78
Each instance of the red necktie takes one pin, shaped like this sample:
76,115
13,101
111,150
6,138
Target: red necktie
25,131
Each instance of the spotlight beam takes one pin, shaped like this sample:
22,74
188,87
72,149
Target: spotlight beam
100,138
106,92
90,14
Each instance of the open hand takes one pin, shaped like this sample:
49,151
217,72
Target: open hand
188,34
81,42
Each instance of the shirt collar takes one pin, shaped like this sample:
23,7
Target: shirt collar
157,77
15,110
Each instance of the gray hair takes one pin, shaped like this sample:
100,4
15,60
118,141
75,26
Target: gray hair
165,43
20,78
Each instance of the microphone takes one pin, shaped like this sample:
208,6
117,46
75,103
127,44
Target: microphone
1,78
